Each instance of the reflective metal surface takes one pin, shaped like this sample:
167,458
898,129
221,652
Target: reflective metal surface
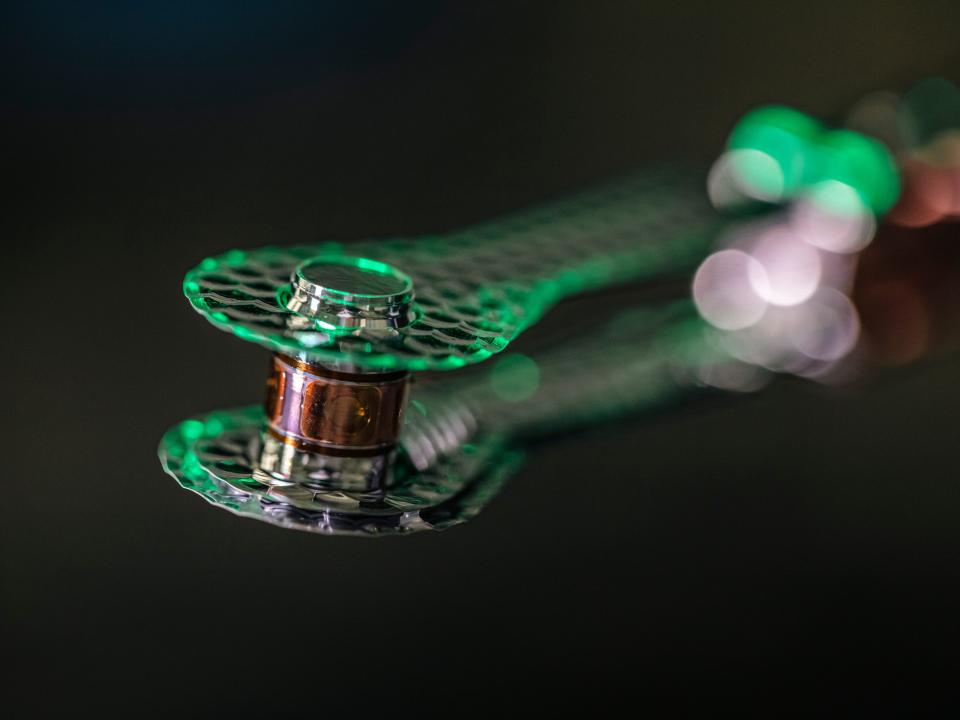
351,292
217,456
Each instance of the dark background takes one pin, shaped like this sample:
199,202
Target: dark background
800,541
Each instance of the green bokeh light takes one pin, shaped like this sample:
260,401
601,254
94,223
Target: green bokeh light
863,164
785,135
807,155
837,198
929,108
758,173
515,378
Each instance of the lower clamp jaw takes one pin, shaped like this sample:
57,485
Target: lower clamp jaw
218,456
322,455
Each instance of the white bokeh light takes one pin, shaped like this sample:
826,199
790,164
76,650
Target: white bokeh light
764,343
787,270
723,292
739,176
734,376
829,327
832,216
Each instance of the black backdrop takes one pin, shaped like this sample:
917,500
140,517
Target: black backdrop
791,542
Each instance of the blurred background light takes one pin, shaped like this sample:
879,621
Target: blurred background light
927,109
787,270
515,378
877,114
774,153
928,194
765,343
782,134
739,176
831,216
826,327
777,291
723,292
862,163
734,376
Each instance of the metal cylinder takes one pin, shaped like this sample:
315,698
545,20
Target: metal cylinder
333,425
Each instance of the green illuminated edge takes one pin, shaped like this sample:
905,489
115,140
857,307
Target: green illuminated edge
598,272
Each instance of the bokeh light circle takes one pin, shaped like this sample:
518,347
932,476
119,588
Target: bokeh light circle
829,327
723,292
787,270
831,216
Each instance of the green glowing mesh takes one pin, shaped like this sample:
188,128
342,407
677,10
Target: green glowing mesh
639,359
475,290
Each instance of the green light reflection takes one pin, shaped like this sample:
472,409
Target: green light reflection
515,378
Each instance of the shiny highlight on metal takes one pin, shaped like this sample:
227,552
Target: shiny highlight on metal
315,408
331,428
352,293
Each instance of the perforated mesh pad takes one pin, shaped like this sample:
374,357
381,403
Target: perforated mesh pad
477,289
215,456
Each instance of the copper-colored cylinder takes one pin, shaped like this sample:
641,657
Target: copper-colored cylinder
329,411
